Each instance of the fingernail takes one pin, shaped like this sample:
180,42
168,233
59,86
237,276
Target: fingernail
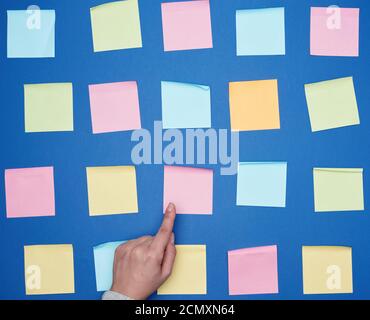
171,207
173,238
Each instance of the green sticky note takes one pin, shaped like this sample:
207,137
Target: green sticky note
332,104
338,189
48,107
116,26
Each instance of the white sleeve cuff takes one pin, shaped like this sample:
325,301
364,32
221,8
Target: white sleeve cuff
112,295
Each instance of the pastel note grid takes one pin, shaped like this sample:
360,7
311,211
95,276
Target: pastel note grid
335,31
253,271
178,33
190,189
29,192
116,25
338,189
332,104
114,107
112,190
327,269
260,32
48,107
254,105
189,273
103,260
261,184
49,269
185,105
31,33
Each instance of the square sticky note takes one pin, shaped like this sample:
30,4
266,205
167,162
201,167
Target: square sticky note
114,107
48,107
31,33
254,105
116,25
327,269
186,25
260,32
103,259
190,189
49,269
253,270
338,189
189,273
29,192
112,190
261,184
332,104
335,31
185,105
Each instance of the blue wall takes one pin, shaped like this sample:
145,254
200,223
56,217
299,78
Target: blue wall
230,227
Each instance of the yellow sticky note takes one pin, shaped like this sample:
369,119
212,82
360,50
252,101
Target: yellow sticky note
189,274
332,104
254,105
48,107
49,269
338,189
327,269
116,25
112,190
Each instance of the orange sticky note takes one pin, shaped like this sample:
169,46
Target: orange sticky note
254,105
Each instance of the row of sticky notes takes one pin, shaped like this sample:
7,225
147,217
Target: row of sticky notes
49,269
113,190
116,25
254,105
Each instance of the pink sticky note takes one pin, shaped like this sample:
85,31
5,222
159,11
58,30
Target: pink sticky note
253,271
186,25
114,107
190,189
335,31
29,192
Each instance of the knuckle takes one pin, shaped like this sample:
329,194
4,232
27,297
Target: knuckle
137,251
164,230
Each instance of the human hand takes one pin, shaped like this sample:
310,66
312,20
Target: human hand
143,264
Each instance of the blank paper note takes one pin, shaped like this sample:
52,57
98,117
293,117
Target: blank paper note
260,32
185,105
254,105
335,31
112,190
332,104
327,269
48,107
49,269
253,271
116,25
190,189
261,184
189,273
186,25
31,33
114,107
104,261
29,192
338,189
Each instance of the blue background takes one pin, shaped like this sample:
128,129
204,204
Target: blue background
229,227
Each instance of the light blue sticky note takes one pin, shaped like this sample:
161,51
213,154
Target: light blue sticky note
260,32
31,33
261,184
104,258
185,105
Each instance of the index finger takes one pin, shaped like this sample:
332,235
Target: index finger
163,235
